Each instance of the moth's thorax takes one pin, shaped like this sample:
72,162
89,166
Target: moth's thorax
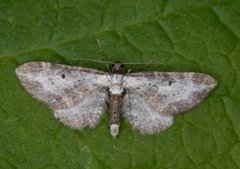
116,86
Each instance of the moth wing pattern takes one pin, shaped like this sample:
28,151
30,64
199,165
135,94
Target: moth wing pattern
86,113
77,95
141,116
152,99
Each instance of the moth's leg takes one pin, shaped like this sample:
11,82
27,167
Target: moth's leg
129,71
101,49
99,46
109,70
142,68
102,53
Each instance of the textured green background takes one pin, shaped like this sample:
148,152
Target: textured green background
186,35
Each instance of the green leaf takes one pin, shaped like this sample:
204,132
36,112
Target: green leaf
187,35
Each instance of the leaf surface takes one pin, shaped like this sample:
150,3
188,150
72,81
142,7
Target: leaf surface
201,36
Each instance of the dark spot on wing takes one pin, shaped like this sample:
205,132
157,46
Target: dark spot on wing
58,98
170,83
66,90
63,76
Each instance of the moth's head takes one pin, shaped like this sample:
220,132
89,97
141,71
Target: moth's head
117,67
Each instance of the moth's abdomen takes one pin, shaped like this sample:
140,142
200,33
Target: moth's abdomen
116,101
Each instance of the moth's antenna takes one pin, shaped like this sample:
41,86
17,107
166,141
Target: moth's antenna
100,47
110,62
101,51
143,63
125,63
93,60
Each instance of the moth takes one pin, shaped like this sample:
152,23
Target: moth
148,100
